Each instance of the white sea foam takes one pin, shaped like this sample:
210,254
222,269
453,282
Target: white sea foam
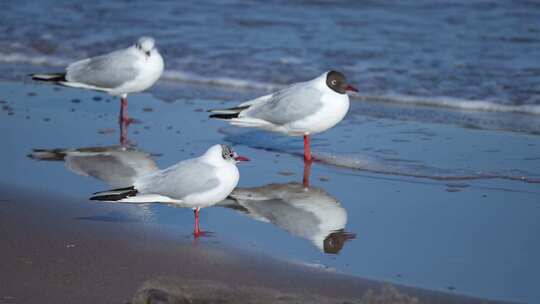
219,81
375,164
454,103
33,59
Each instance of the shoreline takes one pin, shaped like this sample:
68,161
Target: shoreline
445,110
406,226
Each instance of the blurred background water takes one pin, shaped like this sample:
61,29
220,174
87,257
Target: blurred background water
447,52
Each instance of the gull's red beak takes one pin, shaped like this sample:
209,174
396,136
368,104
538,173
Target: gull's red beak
241,158
351,88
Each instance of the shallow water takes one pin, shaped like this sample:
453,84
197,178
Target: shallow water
428,205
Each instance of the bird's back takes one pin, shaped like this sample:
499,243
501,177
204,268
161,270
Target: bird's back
185,178
106,71
286,106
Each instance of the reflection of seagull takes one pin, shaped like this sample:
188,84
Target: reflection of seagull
118,73
194,183
117,166
301,109
309,213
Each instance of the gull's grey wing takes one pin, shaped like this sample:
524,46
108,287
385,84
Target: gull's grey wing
106,71
288,105
177,182
118,168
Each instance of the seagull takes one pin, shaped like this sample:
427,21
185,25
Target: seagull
306,212
194,183
118,73
303,108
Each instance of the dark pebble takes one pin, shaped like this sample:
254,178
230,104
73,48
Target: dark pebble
286,173
106,131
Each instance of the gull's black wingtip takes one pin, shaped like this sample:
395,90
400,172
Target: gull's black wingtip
224,116
52,77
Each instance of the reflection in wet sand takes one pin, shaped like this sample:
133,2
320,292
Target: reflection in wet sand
118,166
306,212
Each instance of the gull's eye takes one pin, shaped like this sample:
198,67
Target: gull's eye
231,155
333,82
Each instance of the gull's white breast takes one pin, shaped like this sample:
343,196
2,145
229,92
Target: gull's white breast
150,69
334,108
228,176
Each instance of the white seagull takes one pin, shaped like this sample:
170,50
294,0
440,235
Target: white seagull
194,183
301,109
306,212
118,73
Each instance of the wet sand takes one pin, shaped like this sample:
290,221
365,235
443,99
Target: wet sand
418,222
57,249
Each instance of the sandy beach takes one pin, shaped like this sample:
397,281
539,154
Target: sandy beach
59,249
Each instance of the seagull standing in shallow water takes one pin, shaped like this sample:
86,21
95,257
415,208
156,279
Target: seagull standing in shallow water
301,109
118,73
194,183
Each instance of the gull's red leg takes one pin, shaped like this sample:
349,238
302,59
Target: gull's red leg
123,120
197,232
307,149
123,110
